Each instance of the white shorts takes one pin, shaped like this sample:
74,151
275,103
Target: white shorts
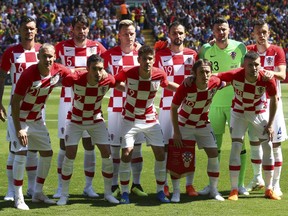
166,125
114,127
98,132
64,107
38,137
10,123
204,137
241,121
152,132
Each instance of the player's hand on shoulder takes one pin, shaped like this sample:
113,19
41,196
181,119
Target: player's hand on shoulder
268,75
187,82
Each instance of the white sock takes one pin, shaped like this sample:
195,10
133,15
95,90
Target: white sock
213,171
60,158
160,174
256,159
235,164
137,163
107,173
18,174
31,169
115,153
277,166
124,173
67,170
9,171
268,163
42,172
89,167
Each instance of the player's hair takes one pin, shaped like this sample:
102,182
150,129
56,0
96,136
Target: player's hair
82,18
126,23
259,22
27,19
251,55
220,20
46,46
175,24
200,63
94,58
145,49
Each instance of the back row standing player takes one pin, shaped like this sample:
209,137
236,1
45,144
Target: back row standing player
177,62
273,61
225,54
17,59
117,58
73,53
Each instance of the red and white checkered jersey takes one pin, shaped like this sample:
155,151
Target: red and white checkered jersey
76,57
16,59
195,103
87,99
249,96
177,66
115,60
36,89
139,103
273,57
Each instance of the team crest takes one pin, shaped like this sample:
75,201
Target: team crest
103,89
187,158
233,55
269,60
261,90
189,60
55,79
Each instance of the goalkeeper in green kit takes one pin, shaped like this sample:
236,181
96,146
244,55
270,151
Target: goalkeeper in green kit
224,54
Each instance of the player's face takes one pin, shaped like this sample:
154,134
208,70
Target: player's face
261,34
46,58
221,32
146,62
177,35
80,31
96,71
127,36
252,68
28,31
203,73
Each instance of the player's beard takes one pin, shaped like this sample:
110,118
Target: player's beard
80,38
177,42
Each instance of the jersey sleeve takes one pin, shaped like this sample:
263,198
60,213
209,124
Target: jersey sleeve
23,84
68,80
121,76
179,95
6,63
281,59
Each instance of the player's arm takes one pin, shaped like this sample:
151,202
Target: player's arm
120,86
172,86
279,73
15,108
272,112
2,84
177,137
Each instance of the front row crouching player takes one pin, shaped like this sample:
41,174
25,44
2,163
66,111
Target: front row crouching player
194,97
89,88
30,132
249,109
139,113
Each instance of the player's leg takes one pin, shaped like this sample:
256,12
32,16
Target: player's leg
62,113
137,165
31,170
89,165
9,172
128,133
238,127
114,128
73,134
100,136
154,138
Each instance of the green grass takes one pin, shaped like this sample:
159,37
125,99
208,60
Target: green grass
254,204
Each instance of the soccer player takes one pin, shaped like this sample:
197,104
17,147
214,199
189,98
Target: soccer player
177,62
14,61
89,88
73,53
248,109
274,64
225,54
191,121
117,58
29,131
139,116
